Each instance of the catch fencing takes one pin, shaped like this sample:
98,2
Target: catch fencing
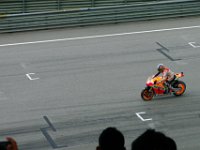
98,15
30,6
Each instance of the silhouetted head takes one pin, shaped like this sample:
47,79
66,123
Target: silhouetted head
111,139
153,140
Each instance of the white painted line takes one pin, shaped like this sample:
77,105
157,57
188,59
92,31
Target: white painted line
98,36
193,44
139,116
30,78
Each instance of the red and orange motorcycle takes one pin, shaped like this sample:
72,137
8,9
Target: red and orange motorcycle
156,88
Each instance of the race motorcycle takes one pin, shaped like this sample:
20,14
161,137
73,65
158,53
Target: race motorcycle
156,88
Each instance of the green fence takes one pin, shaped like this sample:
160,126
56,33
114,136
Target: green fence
99,15
28,6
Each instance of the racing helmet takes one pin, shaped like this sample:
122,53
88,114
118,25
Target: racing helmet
160,67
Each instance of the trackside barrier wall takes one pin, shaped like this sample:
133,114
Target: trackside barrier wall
95,16
30,6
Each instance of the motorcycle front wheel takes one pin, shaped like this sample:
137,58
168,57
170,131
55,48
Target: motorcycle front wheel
147,95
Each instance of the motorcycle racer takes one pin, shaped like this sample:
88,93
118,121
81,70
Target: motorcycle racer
168,83
168,76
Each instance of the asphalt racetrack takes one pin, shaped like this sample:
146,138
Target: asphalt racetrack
60,88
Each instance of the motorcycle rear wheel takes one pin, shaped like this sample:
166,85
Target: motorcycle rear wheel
147,95
182,87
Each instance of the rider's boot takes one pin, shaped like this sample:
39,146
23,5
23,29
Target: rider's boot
166,92
171,90
167,89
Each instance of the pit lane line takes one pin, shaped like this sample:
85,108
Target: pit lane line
98,36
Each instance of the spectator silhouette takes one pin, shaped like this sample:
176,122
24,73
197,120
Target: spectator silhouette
153,140
111,139
10,144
